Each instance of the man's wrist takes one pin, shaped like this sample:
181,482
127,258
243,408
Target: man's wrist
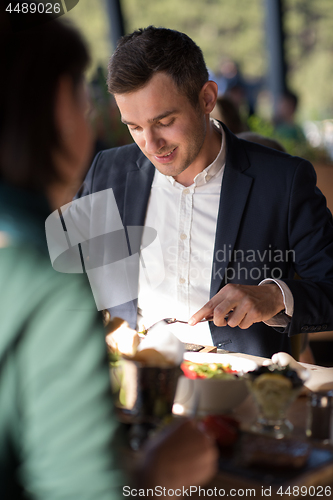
283,318
277,297
288,299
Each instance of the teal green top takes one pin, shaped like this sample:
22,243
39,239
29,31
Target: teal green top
58,432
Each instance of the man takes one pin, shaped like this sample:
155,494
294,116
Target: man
228,214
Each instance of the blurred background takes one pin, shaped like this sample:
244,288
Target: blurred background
272,60
235,38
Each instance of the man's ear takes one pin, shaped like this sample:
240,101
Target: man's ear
208,96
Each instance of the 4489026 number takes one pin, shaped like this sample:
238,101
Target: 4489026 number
32,8
312,491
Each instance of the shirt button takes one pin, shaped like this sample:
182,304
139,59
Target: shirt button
181,281
208,177
186,191
183,236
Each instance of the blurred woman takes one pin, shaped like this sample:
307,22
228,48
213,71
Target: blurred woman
57,427
56,423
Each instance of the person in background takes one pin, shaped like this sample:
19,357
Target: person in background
227,112
260,139
58,432
284,120
104,116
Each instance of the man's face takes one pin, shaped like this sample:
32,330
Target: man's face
164,124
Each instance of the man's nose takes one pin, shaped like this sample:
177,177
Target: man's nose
154,143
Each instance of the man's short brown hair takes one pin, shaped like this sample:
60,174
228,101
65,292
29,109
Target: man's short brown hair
144,52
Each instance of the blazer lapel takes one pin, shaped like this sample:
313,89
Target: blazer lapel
136,196
234,194
137,192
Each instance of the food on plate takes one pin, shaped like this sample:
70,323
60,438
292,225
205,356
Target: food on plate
215,395
160,341
159,348
274,388
223,428
207,370
270,452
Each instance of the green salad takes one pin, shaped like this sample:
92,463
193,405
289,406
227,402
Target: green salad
207,370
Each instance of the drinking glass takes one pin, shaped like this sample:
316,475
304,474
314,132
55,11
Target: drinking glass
273,394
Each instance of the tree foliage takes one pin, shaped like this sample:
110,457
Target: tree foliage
234,28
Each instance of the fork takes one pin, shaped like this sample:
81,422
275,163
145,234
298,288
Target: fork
170,321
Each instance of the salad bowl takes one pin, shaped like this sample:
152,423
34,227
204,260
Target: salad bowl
212,391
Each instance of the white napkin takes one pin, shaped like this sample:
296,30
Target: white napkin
162,340
284,359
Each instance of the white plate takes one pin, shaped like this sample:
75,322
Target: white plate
237,362
212,396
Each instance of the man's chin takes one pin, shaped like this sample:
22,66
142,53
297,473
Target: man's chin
168,170
165,171
164,168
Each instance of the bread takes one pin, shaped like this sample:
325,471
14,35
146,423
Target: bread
120,338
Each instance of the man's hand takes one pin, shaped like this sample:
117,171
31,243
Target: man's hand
242,305
181,456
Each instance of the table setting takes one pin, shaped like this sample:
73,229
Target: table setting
272,419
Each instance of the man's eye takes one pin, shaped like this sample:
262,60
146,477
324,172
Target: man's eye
133,128
167,124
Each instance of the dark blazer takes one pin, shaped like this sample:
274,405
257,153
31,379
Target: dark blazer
272,222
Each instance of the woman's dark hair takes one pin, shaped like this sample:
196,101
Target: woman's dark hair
144,52
32,62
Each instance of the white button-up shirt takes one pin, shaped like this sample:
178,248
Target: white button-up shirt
185,220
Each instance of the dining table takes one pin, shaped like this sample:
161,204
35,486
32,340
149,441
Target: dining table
314,480
236,480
